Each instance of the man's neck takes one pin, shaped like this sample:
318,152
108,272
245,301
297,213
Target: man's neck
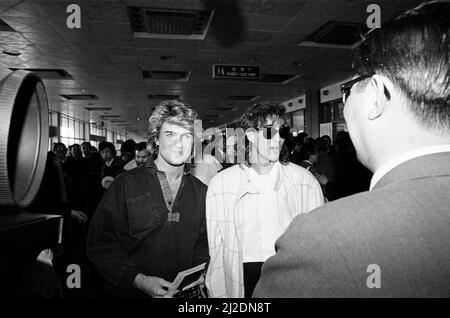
173,172
263,168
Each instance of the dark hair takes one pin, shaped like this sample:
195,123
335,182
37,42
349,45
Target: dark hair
58,144
344,143
140,146
322,144
127,146
309,148
412,50
255,117
106,144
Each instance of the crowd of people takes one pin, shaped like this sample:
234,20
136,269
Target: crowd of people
299,217
74,181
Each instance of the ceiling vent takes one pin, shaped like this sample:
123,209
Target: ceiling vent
118,121
164,97
242,98
5,27
93,109
277,78
47,73
79,96
166,76
162,23
343,35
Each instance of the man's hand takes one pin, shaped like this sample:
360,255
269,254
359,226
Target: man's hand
80,216
153,286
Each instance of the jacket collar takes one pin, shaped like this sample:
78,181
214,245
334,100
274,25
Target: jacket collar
152,165
406,156
247,185
426,166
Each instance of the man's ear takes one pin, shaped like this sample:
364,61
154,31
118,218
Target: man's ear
251,134
379,85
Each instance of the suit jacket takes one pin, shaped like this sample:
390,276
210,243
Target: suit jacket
402,226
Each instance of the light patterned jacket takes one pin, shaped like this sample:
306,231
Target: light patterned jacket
298,192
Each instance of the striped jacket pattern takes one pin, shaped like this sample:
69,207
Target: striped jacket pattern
297,192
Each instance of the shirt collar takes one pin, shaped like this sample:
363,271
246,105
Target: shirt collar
394,162
108,163
152,165
248,184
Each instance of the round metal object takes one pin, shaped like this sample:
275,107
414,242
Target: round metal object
24,135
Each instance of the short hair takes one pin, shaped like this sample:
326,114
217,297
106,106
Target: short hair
106,144
58,144
322,143
128,146
412,50
255,117
140,146
173,112
309,148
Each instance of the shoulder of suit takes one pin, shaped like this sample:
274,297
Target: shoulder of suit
346,211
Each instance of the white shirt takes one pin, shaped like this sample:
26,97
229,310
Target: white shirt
394,162
108,163
261,224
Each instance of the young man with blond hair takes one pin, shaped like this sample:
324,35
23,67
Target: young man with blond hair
150,225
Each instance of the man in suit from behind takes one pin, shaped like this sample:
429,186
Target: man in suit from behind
391,241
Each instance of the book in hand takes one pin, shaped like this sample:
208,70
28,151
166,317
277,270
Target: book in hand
187,282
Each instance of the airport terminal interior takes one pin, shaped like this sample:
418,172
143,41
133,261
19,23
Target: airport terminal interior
78,77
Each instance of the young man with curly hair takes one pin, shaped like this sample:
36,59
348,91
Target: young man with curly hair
248,206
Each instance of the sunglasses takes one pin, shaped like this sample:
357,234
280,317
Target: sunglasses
270,132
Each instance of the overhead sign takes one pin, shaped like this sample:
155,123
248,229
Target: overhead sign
243,72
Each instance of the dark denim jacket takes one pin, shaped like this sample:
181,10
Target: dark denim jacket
131,233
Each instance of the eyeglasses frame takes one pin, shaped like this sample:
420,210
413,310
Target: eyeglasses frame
346,87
